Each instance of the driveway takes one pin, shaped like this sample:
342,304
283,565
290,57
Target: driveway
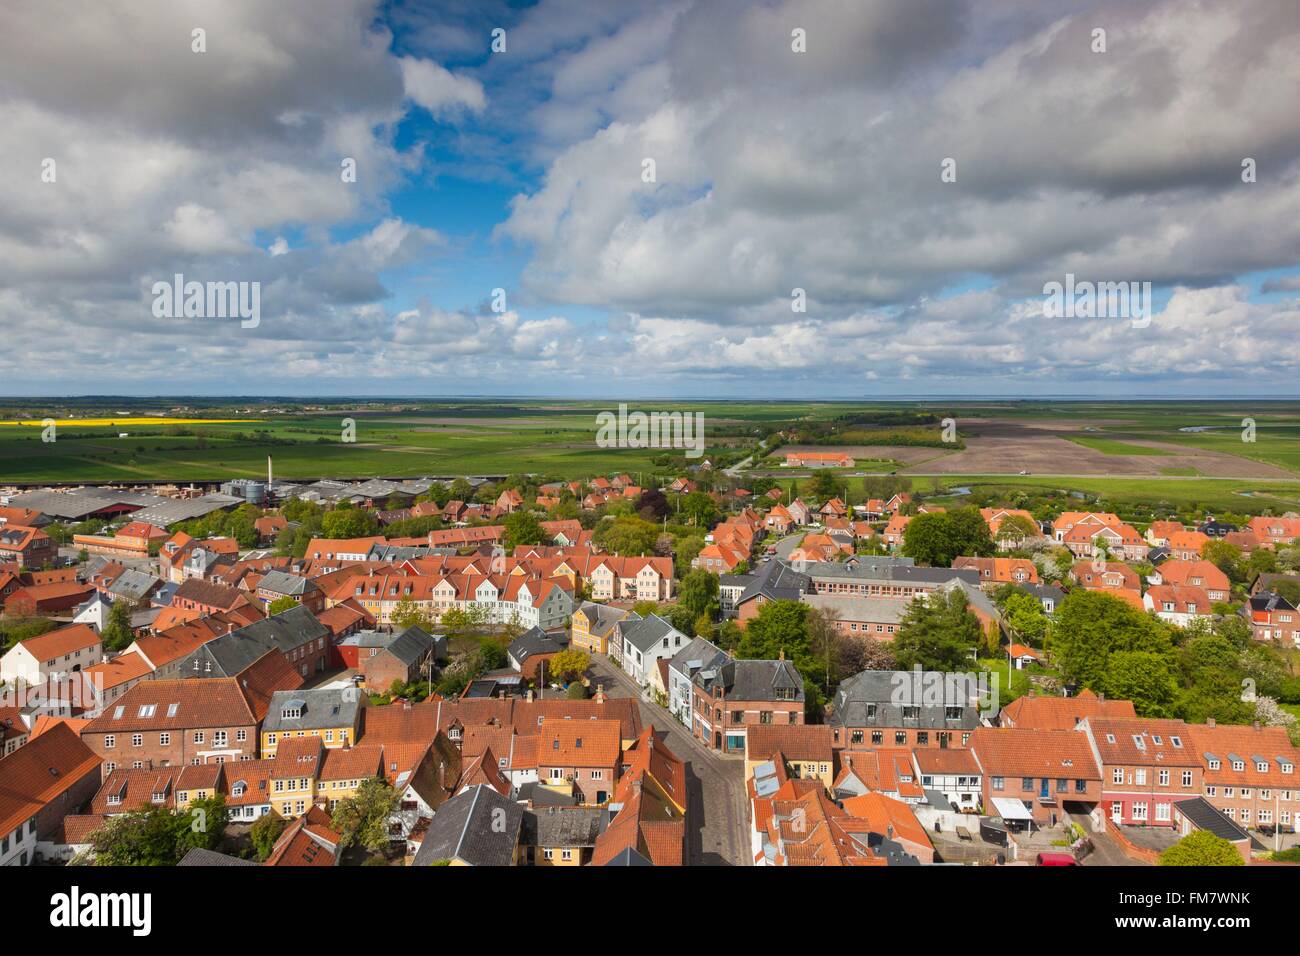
717,820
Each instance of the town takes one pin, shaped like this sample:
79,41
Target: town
787,668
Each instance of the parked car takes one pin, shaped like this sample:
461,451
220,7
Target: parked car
1057,859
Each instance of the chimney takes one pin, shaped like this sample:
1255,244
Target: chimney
1209,721
600,693
268,476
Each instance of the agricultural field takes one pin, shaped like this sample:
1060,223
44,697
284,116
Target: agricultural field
1121,451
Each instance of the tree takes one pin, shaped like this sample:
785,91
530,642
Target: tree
1144,678
1202,848
145,837
652,505
937,537
937,633
825,486
1016,528
348,522
201,825
160,836
117,635
698,593
569,665
698,508
264,832
363,818
280,605
1024,616
627,535
1090,625
1225,557
406,613
522,527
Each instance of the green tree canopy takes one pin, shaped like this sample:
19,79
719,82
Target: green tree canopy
1090,625
363,818
522,527
937,633
936,538
1201,848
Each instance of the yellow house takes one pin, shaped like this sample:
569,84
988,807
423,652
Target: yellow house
331,715
805,748
593,625
307,774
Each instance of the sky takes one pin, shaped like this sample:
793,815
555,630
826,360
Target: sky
621,199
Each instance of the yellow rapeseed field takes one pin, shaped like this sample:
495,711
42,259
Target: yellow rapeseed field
132,420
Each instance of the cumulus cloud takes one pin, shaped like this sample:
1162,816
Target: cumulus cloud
437,89
774,170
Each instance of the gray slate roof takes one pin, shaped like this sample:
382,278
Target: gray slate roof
133,585
698,655
776,581
563,826
233,652
198,856
890,691
462,829
322,707
754,680
282,582
533,641
647,632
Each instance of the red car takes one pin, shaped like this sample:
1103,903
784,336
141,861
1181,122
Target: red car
1057,859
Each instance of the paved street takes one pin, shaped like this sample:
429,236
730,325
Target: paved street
717,819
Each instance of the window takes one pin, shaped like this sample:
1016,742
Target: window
1117,775
1187,778
1140,777
900,737
198,736
1026,783
1162,811
1140,811
997,783
164,740
137,740
1164,778
110,741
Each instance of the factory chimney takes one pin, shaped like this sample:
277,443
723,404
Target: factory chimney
268,475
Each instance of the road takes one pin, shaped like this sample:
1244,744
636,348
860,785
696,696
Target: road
717,822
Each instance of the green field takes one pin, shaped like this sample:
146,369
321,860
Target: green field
1109,446
557,438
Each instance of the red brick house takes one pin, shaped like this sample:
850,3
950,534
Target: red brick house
1043,770
27,547
170,723
1147,765
52,776
1251,773
740,694
582,755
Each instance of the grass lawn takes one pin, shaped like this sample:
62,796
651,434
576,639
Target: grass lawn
1110,446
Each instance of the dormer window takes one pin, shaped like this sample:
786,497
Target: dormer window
1239,765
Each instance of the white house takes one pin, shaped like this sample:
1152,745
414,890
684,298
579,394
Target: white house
647,641
61,651
954,773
